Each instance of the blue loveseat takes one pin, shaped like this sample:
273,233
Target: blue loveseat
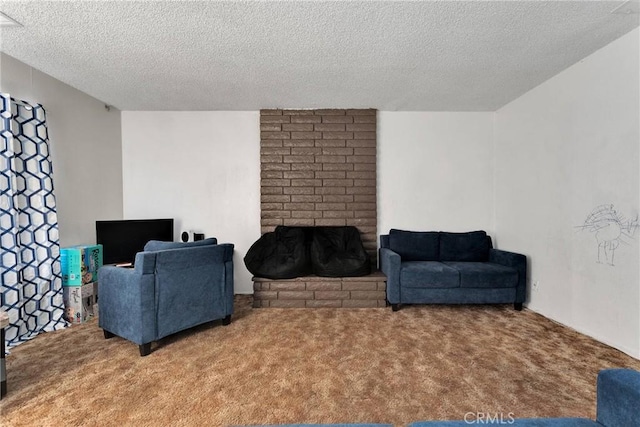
173,287
450,268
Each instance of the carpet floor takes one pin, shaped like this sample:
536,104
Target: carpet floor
275,366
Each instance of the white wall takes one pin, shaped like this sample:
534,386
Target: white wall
562,149
203,169
435,171
85,149
200,168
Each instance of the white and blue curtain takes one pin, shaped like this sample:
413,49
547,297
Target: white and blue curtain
30,259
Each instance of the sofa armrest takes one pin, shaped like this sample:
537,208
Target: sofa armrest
514,260
227,258
126,303
390,266
618,397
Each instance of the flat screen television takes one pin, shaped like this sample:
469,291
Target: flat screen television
122,239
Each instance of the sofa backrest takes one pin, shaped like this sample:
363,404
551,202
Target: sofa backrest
472,246
438,245
415,245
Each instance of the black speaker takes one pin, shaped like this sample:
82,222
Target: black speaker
198,236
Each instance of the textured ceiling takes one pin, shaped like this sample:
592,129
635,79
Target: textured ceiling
247,55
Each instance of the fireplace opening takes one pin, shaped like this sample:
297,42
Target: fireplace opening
325,251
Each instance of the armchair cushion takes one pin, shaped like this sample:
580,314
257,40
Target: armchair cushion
415,245
472,246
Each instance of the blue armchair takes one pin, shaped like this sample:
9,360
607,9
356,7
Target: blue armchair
173,287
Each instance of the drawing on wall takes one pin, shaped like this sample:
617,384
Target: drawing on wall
610,228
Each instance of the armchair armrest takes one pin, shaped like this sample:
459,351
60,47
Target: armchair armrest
126,303
390,266
225,252
514,260
618,398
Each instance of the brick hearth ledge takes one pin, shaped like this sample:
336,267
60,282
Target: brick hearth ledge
314,292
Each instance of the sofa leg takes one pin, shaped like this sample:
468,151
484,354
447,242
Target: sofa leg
395,307
108,334
227,320
517,306
145,349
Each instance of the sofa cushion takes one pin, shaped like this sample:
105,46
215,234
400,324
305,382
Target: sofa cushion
428,274
484,274
157,245
471,246
415,245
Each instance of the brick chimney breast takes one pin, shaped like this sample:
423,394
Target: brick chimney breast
318,167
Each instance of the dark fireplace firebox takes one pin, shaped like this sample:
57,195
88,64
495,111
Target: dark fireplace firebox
290,252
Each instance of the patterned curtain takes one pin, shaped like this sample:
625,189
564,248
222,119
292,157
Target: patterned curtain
30,258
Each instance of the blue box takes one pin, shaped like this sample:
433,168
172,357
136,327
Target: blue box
80,264
71,266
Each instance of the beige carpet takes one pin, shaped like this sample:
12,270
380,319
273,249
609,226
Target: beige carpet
313,366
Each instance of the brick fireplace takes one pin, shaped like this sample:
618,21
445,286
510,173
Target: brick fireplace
318,168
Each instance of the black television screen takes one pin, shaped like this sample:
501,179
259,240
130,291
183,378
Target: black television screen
122,239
